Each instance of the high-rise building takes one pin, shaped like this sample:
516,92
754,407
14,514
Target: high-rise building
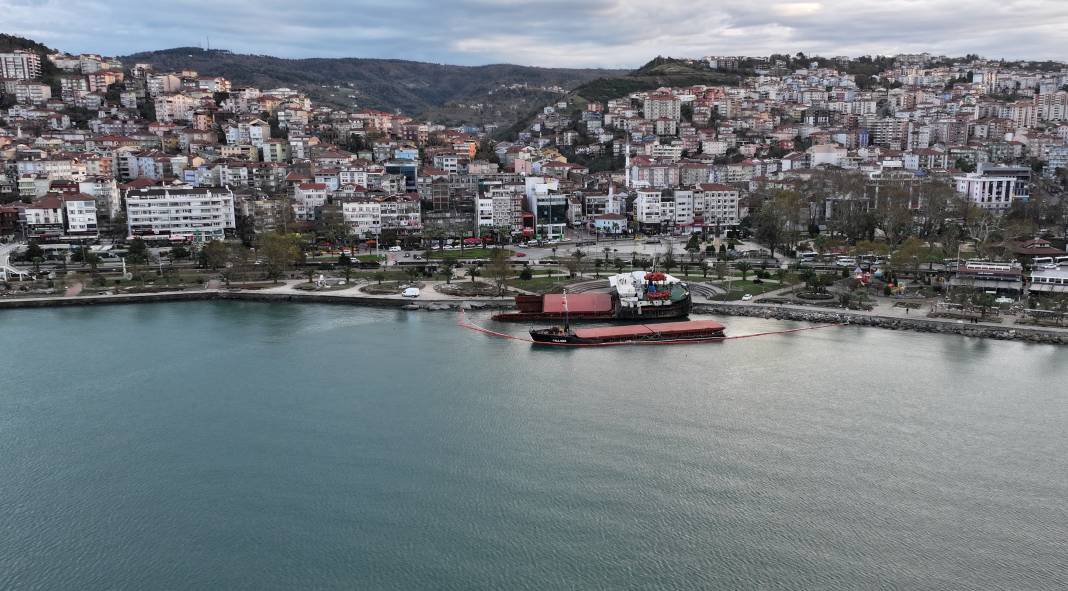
20,65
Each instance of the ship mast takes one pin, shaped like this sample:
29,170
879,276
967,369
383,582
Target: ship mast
567,322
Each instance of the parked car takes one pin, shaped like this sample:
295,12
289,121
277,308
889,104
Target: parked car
394,249
747,297
411,292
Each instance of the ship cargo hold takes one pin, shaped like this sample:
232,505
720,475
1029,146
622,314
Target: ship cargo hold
694,331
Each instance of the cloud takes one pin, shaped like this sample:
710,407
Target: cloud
608,33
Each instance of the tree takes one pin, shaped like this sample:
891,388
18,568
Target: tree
413,272
607,251
744,268
908,254
93,260
214,255
33,251
447,265
378,277
239,260
500,269
780,275
279,252
576,258
117,226
771,221
704,269
179,252
473,272
137,252
669,258
309,272
597,265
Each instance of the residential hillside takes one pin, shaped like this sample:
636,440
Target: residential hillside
498,93
660,72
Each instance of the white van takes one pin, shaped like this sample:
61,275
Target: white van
845,262
411,292
394,249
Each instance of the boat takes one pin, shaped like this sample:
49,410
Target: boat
638,295
666,333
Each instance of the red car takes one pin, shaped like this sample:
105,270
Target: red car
520,254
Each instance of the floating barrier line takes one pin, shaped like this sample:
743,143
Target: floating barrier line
462,322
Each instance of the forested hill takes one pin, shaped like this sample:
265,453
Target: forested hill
498,92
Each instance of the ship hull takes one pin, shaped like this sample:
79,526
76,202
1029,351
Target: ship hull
636,334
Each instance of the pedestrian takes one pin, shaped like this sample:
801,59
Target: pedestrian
906,310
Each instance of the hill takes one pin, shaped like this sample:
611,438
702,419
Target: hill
661,71
461,94
13,42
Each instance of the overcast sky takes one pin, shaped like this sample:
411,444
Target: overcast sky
580,33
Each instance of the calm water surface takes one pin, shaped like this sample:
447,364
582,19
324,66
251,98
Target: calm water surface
253,446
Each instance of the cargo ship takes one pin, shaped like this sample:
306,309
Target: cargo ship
638,295
667,333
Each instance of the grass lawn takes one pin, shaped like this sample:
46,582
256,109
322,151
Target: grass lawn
390,275
739,288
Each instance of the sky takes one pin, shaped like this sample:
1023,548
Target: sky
558,33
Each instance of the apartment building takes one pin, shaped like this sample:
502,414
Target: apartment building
994,193
202,213
20,65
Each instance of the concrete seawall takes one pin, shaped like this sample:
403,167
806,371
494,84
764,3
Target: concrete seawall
1020,333
1034,335
252,296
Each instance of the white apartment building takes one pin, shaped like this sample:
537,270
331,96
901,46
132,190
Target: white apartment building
363,217
717,205
660,105
255,132
20,65
105,191
994,193
27,91
367,217
647,208
500,207
174,107
307,199
79,214
203,213
162,84
60,216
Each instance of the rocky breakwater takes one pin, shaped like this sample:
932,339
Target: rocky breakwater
1033,335
447,305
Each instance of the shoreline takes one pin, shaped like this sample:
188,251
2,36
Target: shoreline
918,324
254,296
